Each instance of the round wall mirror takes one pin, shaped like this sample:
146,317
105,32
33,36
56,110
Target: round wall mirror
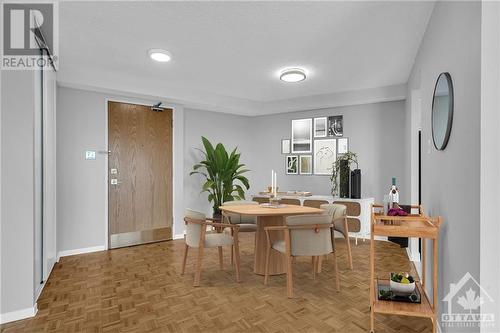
442,111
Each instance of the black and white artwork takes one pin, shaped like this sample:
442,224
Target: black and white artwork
301,136
292,165
325,154
285,146
320,127
342,145
335,125
305,164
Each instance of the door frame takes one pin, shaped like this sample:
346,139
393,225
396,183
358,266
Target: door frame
177,161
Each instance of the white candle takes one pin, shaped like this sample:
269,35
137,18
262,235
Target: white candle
272,181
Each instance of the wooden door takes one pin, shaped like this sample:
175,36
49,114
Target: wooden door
139,174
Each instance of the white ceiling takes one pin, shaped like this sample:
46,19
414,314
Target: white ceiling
226,55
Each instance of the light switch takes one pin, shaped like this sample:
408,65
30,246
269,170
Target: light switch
114,181
90,154
114,171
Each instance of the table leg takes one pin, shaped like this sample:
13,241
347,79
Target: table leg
277,263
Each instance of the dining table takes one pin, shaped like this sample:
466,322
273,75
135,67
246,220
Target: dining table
269,216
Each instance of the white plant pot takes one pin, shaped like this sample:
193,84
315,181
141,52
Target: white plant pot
402,289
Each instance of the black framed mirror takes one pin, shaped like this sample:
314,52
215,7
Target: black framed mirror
442,111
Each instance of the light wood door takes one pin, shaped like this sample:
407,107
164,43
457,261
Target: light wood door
139,174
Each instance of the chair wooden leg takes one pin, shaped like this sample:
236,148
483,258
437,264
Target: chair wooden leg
221,258
186,248
337,275
232,248
319,263
348,243
289,277
266,272
237,259
197,275
315,266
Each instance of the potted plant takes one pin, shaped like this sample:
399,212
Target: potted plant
341,169
223,173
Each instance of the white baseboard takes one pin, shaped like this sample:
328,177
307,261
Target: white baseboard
80,251
18,315
180,236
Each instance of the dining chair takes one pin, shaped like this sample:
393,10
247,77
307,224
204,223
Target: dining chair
246,223
304,235
338,215
314,203
289,201
198,238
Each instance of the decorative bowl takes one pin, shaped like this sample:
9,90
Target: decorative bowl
406,287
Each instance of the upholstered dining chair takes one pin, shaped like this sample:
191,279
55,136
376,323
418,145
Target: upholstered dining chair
304,235
198,238
246,223
338,215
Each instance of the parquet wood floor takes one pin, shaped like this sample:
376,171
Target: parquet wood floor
140,289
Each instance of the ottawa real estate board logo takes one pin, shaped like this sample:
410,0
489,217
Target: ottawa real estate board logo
30,35
463,306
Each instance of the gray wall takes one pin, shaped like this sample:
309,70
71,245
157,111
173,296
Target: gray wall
375,132
450,178
81,197
17,191
82,185
230,130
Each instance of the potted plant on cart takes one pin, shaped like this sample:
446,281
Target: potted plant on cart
341,173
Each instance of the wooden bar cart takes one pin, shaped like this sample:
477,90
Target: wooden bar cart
419,226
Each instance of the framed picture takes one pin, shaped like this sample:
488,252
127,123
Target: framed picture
342,145
325,154
292,165
285,146
320,127
301,136
335,126
305,164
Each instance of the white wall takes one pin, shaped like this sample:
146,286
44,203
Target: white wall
450,178
17,193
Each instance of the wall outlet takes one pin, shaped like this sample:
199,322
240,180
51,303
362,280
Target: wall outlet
90,154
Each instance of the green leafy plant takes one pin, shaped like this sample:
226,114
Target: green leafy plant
348,158
223,173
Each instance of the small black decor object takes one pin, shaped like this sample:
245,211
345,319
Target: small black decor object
356,184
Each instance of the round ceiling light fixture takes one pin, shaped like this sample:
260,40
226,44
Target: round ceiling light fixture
293,75
160,55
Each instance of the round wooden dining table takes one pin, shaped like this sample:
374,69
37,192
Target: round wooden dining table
267,216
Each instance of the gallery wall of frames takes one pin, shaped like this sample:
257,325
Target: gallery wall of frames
314,145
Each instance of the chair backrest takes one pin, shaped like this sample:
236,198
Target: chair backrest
237,218
287,201
261,199
314,203
311,241
336,211
193,230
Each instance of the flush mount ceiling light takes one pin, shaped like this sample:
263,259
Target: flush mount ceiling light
293,75
159,55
